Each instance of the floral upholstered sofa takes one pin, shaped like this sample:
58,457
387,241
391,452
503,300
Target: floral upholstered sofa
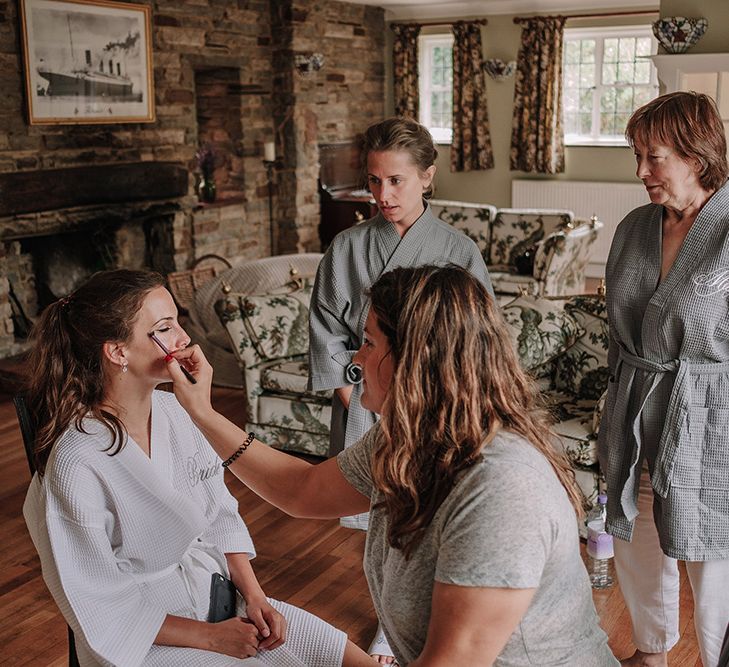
532,251
563,343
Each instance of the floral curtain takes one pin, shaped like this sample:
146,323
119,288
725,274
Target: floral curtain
405,69
537,139
471,146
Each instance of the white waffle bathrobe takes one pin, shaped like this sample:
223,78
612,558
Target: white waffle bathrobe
125,540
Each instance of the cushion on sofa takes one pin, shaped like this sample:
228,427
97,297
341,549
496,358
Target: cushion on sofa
514,231
540,329
473,219
582,371
574,426
278,325
510,284
299,414
292,440
289,376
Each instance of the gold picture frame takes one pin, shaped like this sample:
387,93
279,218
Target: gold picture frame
87,61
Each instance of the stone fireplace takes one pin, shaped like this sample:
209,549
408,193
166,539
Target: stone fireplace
37,270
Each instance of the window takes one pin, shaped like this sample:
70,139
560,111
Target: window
435,65
607,74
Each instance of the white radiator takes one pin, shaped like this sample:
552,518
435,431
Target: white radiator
610,202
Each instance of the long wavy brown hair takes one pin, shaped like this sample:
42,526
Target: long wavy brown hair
68,376
457,381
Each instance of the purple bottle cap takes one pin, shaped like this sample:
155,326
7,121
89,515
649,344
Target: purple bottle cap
602,499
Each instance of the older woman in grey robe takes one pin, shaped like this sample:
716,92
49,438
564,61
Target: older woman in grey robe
664,439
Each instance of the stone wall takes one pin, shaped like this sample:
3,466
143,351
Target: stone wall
331,105
189,37
245,52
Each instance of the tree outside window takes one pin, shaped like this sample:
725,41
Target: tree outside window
435,66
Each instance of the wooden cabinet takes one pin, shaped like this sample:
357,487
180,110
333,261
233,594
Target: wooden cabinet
340,213
343,202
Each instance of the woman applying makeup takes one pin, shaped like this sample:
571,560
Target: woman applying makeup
129,511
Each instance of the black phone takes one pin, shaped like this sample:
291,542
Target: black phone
222,598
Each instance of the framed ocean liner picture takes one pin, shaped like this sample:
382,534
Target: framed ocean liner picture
87,61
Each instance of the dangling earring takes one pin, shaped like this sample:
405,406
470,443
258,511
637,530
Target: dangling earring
125,367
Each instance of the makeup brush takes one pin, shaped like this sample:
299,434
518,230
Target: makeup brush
187,373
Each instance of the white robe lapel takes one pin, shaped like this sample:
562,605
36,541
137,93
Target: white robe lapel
160,446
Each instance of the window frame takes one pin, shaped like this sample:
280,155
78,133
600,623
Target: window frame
600,35
426,44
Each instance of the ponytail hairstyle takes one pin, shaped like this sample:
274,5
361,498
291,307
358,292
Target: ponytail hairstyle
68,377
456,382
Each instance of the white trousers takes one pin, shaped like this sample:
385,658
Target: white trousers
649,581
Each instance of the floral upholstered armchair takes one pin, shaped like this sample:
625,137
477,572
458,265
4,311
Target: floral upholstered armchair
258,276
269,334
563,343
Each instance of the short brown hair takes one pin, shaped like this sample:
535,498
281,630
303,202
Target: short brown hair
401,134
690,123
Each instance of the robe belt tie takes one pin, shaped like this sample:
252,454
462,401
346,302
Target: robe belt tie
200,553
676,413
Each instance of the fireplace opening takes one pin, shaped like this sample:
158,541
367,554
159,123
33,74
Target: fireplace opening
36,270
63,261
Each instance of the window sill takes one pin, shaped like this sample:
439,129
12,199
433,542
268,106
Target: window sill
618,143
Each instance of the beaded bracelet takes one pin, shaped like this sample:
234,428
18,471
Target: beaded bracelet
239,451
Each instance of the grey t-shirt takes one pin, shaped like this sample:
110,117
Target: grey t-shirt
507,523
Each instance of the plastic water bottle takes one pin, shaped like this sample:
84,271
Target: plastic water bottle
599,545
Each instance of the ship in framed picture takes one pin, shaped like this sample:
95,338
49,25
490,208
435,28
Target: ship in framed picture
87,61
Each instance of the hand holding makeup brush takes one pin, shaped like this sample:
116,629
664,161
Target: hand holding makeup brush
169,357
195,398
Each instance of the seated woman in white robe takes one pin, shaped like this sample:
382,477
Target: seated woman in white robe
128,509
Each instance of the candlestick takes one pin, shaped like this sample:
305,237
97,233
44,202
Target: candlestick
269,151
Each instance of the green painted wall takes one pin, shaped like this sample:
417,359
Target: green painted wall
716,37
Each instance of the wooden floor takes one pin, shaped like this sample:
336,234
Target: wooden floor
313,564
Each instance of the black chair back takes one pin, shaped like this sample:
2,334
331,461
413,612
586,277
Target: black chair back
27,430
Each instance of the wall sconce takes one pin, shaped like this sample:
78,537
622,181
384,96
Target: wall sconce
306,64
497,69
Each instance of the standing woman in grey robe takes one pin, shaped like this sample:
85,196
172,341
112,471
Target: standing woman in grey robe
399,155
664,438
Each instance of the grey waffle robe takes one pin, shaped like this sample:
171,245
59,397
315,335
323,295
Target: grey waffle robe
339,306
668,399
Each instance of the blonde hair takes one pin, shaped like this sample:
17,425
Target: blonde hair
401,134
456,382
690,123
